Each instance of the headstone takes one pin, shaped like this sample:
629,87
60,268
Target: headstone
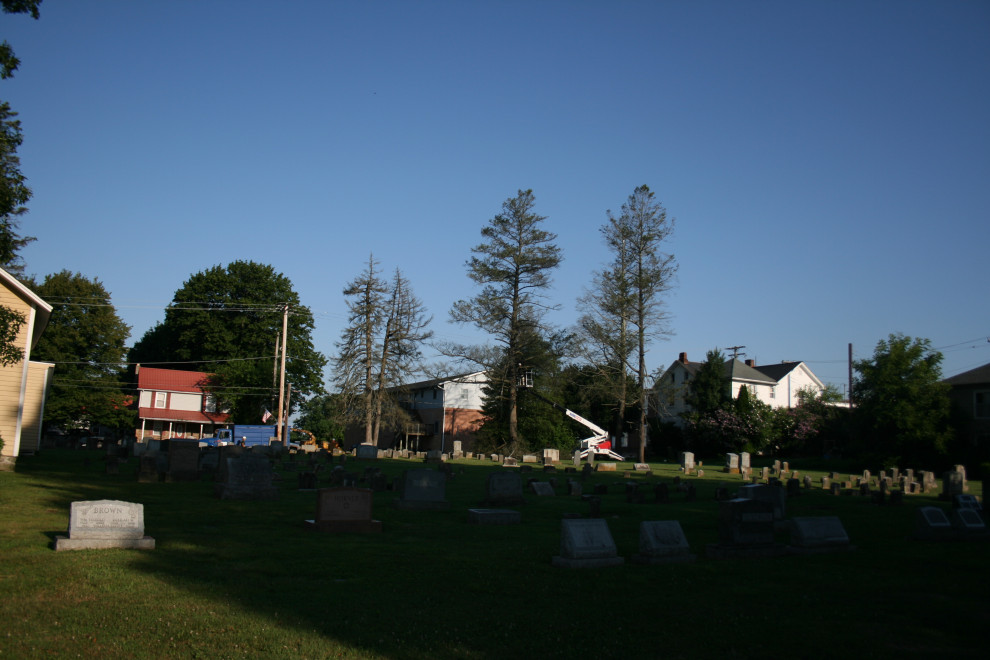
642,467
785,467
661,493
434,456
826,483
765,474
510,462
183,460
494,517
963,501
247,477
807,482
745,529
772,495
932,523
968,521
744,460
306,480
344,510
530,458
687,460
542,488
574,488
423,489
776,467
576,457
662,541
793,487
99,524
952,484
586,543
148,467
732,463
551,456
818,534
605,467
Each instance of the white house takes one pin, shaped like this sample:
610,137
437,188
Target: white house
776,385
442,411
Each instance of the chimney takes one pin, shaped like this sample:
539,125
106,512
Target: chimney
750,363
682,358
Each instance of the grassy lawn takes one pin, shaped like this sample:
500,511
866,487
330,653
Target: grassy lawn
245,579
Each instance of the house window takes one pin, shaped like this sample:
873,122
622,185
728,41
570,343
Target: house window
160,399
209,403
981,404
773,392
156,428
179,428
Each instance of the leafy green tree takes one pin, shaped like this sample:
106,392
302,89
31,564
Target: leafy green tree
709,388
381,347
324,416
513,266
10,324
227,321
8,61
901,405
87,341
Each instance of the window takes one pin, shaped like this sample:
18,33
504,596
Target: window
209,403
773,392
178,429
156,428
981,404
160,399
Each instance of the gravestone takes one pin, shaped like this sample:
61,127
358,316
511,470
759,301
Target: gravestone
586,543
576,457
344,510
247,477
745,529
952,484
574,488
765,474
542,488
551,456
687,460
773,495
642,467
931,523
494,517
510,462
306,481
434,456
530,458
968,521
744,460
807,482
793,487
148,468
818,534
662,541
423,489
100,524
504,487
661,493
605,467
776,467
963,501
183,460
731,463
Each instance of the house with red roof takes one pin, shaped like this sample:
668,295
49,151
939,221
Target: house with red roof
175,404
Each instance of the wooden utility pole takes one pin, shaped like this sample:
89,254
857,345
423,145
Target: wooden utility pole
735,350
281,379
850,375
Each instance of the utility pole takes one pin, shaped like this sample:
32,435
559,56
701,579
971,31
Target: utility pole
850,375
281,379
735,351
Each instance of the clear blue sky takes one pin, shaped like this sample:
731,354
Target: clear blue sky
828,163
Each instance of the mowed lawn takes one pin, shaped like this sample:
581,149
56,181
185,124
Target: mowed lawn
233,579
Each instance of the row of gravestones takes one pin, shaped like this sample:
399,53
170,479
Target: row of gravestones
747,523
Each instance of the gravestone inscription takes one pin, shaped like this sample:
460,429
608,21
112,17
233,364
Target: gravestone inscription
99,524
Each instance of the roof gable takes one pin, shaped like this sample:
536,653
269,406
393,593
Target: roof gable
171,380
977,376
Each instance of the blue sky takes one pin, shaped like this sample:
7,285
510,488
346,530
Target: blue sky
827,163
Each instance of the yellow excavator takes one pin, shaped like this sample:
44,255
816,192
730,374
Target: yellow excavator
311,440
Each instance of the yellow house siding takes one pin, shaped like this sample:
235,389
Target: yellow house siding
12,376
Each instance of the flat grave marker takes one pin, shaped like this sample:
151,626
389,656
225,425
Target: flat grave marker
344,510
662,541
494,517
818,534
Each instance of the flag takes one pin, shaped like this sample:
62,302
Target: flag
266,416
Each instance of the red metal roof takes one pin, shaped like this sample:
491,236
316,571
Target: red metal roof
171,380
194,416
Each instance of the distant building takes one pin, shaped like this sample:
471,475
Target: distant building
776,385
441,412
174,404
24,384
970,395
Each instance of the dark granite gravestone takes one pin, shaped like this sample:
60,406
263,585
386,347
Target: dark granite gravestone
148,467
586,543
344,510
818,534
247,477
931,523
183,460
745,529
422,489
662,541
99,524
366,452
774,495
542,488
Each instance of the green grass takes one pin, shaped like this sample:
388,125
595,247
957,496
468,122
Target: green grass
244,579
